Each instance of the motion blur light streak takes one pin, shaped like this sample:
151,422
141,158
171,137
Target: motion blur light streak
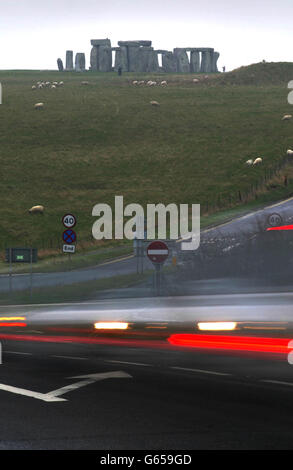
111,326
217,326
280,227
79,339
235,343
12,319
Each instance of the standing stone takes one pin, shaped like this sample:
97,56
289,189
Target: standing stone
215,58
194,62
153,62
146,62
94,59
105,58
169,62
182,60
133,58
60,65
80,62
206,61
121,59
69,60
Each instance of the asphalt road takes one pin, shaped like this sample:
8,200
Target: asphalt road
246,225
149,399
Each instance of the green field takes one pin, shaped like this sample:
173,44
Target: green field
93,142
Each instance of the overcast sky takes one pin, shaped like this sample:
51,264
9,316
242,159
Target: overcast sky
34,33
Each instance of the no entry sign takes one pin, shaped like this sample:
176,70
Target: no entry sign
69,236
157,252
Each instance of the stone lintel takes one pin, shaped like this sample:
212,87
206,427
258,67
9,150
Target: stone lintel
101,42
135,43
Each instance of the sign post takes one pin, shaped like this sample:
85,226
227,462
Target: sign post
158,252
69,236
21,255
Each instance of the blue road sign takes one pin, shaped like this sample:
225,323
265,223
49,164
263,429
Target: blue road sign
69,236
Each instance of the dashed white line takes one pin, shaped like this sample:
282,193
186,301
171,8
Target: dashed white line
130,363
20,353
211,372
71,357
279,382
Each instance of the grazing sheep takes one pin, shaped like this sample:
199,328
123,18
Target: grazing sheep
249,162
286,117
195,80
257,161
61,83
37,210
47,84
135,82
53,86
40,86
290,153
154,103
164,83
34,87
141,82
39,105
85,83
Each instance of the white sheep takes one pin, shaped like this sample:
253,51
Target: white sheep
141,82
154,103
135,82
164,83
257,161
53,86
39,105
34,87
249,162
85,82
61,83
37,210
40,86
195,80
290,153
286,117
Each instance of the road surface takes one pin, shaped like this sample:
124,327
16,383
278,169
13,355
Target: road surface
145,399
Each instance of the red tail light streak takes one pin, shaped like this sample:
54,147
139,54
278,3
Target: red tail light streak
232,343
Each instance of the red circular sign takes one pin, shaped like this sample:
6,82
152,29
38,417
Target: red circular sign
69,220
157,251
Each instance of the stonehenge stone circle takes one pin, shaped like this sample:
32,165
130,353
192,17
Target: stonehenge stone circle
139,56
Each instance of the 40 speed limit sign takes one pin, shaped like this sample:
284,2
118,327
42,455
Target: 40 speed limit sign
69,220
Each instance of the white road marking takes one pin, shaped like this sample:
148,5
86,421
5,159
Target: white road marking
20,353
131,363
71,357
277,382
201,370
53,396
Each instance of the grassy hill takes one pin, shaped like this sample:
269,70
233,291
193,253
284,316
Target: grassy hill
93,142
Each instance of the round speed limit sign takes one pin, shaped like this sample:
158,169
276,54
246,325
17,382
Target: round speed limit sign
69,220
